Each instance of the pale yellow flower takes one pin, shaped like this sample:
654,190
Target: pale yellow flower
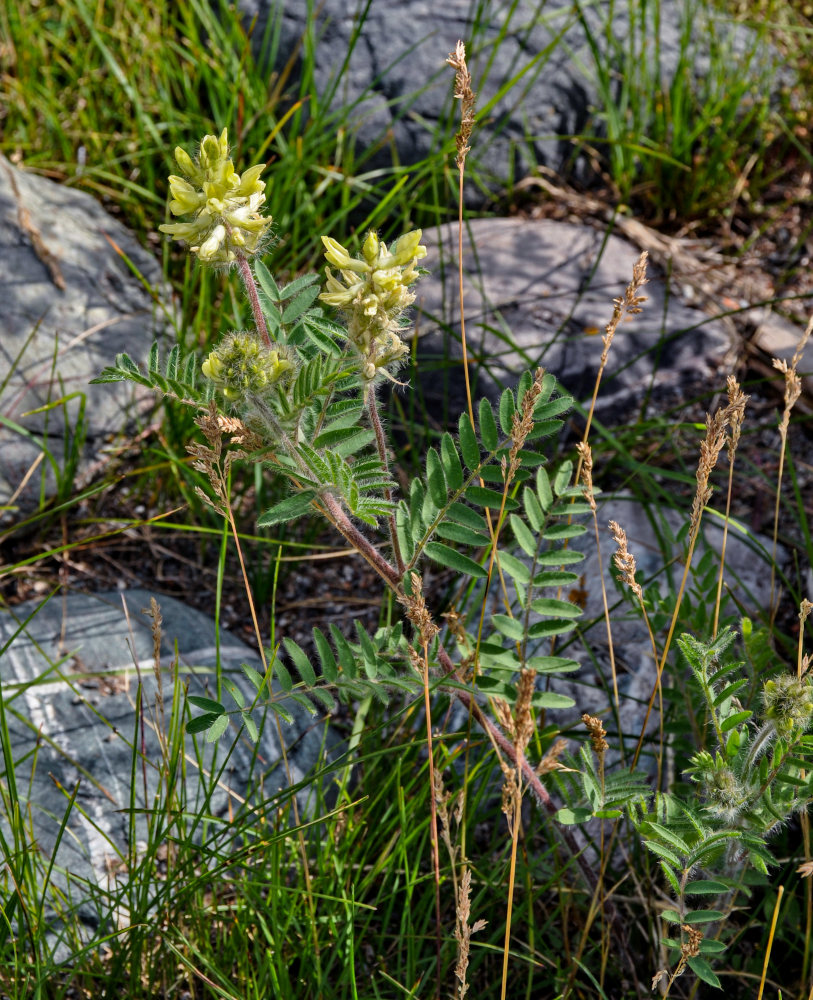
225,205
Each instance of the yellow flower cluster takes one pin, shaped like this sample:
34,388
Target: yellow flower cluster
225,205
373,290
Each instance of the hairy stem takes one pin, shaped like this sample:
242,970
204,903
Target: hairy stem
253,297
381,444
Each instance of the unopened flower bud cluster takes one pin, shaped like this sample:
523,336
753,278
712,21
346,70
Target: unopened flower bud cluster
242,366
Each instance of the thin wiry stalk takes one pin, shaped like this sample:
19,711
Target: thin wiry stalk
774,918
433,814
629,305
736,401
793,389
586,463
710,449
381,445
463,93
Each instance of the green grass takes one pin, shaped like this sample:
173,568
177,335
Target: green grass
344,906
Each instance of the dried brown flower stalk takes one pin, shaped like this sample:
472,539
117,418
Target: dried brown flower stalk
463,932
625,561
550,762
710,449
464,93
522,423
417,612
629,305
598,734
793,389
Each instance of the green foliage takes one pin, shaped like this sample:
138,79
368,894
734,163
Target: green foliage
177,377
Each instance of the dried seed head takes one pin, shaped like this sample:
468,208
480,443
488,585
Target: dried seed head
624,560
597,734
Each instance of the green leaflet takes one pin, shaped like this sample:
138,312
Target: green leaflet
485,497
550,606
453,559
510,627
462,514
300,661
452,468
507,410
217,728
207,704
287,510
326,658
488,426
435,479
461,534
469,447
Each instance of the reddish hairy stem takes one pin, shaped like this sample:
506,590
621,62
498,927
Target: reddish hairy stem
253,297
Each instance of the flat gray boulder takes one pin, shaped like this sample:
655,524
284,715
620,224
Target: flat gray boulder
70,677
70,303
540,292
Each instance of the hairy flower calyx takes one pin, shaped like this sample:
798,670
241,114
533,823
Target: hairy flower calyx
788,704
242,366
224,204
722,789
373,290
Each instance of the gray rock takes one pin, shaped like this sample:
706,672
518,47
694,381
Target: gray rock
540,292
70,671
71,303
400,89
